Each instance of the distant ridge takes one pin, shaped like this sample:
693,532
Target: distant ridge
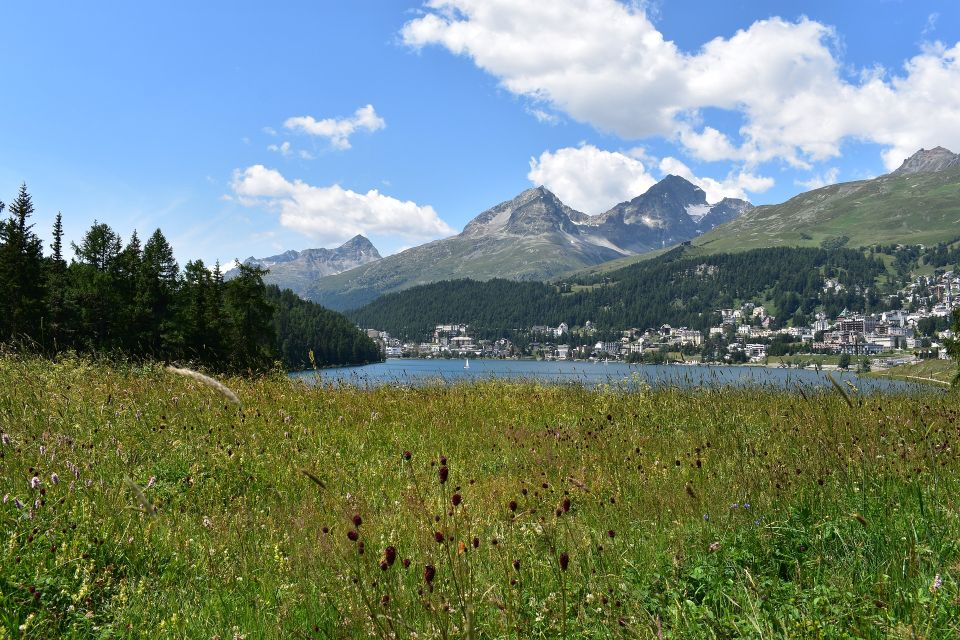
918,203
299,270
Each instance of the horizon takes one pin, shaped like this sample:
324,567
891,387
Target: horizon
398,121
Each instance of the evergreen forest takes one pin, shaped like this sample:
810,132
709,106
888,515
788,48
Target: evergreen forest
132,299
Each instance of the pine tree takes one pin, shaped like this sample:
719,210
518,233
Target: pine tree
194,315
136,319
93,287
56,300
252,338
156,290
21,271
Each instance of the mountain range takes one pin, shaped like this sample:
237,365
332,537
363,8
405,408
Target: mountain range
535,236
300,270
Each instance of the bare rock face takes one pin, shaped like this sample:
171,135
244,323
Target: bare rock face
936,159
298,270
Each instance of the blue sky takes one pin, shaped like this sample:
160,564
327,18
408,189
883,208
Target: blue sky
245,129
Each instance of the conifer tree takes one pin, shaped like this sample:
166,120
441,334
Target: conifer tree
21,271
94,279
156,289
57,289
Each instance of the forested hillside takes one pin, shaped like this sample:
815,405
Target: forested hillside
672,289
301,327
134,300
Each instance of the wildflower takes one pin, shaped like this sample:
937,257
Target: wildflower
565,505
937,583
43,450
407,455
207,522
352,535
390,555
54,478
438,536
406,563
516,565
746,505
360,547
611,533
456,499
5,439
734,505
706,517
357,520
152,481
714,546
513,505
564,561
443,473
476,543
34,482
429,573
17,503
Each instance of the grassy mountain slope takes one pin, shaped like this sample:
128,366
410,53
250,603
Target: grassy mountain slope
917,208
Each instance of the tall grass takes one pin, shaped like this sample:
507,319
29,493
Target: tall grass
481,510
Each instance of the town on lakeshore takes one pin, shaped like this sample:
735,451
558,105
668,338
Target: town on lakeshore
740,336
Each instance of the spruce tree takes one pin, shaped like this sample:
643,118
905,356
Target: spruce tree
21,271
156,288
94,278
252,338
57,290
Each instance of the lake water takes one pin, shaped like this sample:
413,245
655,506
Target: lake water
418,372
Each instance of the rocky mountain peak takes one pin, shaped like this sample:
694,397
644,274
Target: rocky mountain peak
928,160
297,270
534,211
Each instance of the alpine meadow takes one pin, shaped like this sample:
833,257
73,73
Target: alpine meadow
480,319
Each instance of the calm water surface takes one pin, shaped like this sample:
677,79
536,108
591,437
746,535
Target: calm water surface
418,372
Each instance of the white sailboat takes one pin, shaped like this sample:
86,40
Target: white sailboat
466,363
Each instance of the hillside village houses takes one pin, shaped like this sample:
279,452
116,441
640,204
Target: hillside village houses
745,334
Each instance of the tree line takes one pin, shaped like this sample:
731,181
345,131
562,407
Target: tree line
133,299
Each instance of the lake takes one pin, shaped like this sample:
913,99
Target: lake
419,372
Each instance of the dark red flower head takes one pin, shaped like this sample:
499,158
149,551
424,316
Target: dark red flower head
564,561
353,535
456,499
357,520
438,536
390,555
429,573
407,455
513,505
443,473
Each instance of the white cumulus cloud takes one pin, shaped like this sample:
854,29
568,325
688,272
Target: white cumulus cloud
735,185
818,180
589,179
338,130
605,63
332,213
